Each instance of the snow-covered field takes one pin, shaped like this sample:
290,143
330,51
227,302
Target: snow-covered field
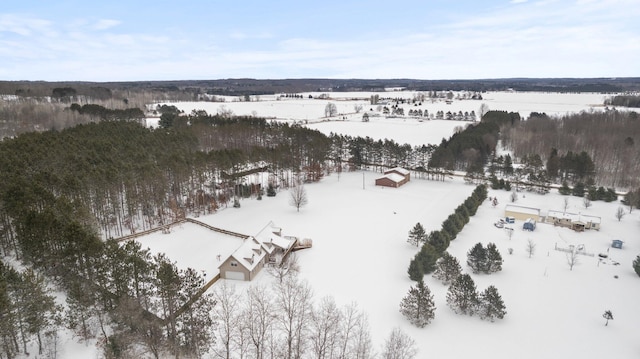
313,109
360,254
401,129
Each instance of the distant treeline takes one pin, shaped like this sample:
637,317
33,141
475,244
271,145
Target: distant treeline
108,114
623,100
241,87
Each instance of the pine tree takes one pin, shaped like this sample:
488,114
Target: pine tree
452,225
447,268
608,316
417,235
636,265
492,306
418,305
415,269
494,259
439,240
271,190
477,258
427,256
462,296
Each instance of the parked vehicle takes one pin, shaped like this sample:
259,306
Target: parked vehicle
529,225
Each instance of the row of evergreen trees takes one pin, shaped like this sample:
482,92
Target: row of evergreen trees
436,243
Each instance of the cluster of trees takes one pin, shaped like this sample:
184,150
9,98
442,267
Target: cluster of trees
418,305
284,321
28,312
107,114
437,242
484,260
470,149
590,192
623,100
587,146
463,298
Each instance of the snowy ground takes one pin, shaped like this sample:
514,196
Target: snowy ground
313,109
401,129
360,255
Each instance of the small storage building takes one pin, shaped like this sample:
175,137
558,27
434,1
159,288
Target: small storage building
522,213
394,177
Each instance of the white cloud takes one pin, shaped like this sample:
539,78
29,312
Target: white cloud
105,24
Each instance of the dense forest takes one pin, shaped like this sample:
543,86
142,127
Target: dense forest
609,139
66,194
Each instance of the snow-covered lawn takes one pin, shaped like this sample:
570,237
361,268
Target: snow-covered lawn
360,254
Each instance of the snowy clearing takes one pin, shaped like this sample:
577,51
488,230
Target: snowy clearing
360,254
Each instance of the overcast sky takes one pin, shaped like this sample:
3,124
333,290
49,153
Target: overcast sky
207,39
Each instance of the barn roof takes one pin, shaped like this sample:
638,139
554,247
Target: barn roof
400,170
394,177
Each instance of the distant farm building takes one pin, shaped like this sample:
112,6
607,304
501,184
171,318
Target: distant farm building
266,247
577,222
522,213
394,177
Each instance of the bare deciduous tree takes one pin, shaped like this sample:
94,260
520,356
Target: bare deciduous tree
288,267
531,247
565,204
259,319
586,202
620,213
325,324
399,345
330,110
357,107
293,300
226,311
298,195
572,258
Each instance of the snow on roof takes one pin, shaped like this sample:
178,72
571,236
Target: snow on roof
520,209
254,249
394,177
399,170
250,253
270,236
574,217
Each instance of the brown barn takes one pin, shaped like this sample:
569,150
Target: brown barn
394,177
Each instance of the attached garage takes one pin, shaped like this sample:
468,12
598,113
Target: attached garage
234,275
